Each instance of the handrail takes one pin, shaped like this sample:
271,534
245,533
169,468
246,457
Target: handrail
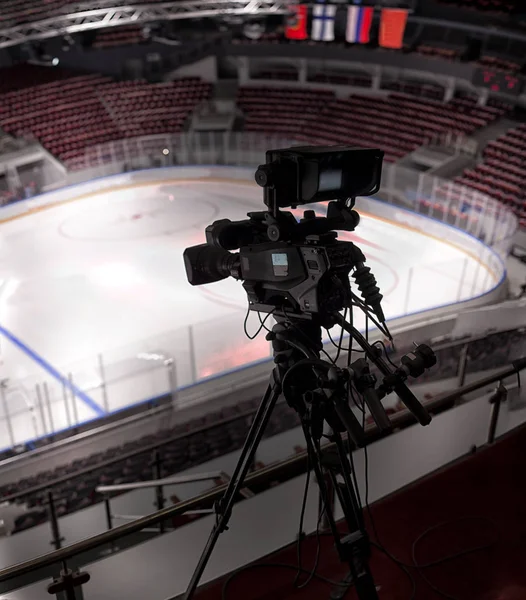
153,483
403,418
131,454
470,27
516,366
154,446
79,437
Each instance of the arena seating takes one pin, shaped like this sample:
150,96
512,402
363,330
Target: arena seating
494,62
502,173
118,36
140,108
437,51
398,124
496,6
351,79
198,441
69,113
421,89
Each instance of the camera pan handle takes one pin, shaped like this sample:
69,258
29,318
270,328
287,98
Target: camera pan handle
402,391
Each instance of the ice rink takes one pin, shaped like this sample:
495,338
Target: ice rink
103,276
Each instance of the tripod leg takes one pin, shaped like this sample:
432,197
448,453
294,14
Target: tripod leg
357,554
224,509
352,548
356,520
320,478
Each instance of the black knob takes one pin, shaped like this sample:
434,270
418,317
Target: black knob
309,214
273,233
263,176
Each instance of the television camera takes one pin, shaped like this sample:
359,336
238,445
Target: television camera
298,272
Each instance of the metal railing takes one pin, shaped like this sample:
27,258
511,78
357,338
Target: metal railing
456,359
288,468
152,448
157,367
219,477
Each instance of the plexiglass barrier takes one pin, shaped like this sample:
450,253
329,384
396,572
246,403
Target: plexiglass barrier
159,366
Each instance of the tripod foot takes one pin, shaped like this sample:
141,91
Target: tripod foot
339,592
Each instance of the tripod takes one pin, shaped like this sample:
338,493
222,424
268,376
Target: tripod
296,346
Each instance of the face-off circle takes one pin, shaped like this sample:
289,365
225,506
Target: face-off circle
149,211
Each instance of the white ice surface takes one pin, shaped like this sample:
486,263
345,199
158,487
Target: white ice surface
105,275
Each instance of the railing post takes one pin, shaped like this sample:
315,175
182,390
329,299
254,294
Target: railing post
68,585
47,399
66,403
107,511
462,365
6,413
73,400
172,380
408,290
109,523
56,539
462,277
226,142
497,398
191,353
157,474
103,385
419,192
41,409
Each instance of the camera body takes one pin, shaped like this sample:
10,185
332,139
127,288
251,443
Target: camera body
299,279
297,267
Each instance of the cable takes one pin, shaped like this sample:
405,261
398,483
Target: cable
312,573
262,321
330,338
350,350
367,311
401,566
355,481
305,337
445,558
305,362
253,337
378,543
230,578
341,336
385,353
404,566
302,518
337,346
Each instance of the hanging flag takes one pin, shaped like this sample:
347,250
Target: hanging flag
359,20
323,17
392,27
296,24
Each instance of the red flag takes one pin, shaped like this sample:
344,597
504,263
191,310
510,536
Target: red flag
392,27
296,25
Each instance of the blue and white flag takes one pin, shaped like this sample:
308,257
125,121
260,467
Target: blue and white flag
323,17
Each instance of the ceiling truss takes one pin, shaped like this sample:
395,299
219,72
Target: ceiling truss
111,16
